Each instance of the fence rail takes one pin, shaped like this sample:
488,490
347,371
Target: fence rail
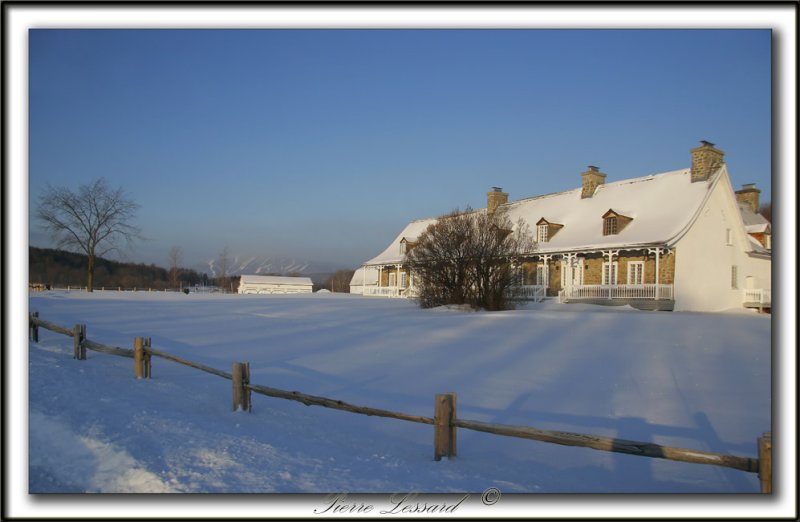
39,287
445,421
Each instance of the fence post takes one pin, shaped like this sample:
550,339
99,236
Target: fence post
444,435
765,462
247,404
34,328
240,376
138,357
238,391
78,335
82,349
147,359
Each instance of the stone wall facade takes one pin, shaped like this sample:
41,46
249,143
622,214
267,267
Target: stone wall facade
593,269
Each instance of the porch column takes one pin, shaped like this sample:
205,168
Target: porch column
363,279
610,254
380,276
397,279
569,270
546,260
657,251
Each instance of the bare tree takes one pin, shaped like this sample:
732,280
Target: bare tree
468,258
94,220
175,254
339,281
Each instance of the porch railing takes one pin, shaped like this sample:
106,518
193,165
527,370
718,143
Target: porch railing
529,292
390,291
645,291
383,291
762,296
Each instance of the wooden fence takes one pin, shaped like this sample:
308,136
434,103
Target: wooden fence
40,287
444,420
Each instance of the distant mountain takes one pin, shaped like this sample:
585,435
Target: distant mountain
263,265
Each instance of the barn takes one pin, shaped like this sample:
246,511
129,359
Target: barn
258,284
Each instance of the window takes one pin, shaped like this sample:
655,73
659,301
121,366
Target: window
610,273
636,272
541,275
728,237
392,279
734,277
610,226
541,233
403,279
403,248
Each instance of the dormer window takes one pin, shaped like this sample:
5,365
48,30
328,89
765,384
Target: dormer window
546,230
406,244
614,222
541,233
610,226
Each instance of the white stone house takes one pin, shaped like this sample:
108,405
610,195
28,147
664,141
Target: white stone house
258,284
678,240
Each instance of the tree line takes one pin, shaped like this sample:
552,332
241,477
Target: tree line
60,268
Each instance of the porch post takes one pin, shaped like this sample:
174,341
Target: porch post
610,254
656,251
363,279
397,279
569,272
380,276
546,260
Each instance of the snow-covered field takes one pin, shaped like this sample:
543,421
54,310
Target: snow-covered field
699,381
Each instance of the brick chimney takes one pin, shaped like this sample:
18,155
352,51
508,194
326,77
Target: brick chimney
495,198
705,161
592,178
749,194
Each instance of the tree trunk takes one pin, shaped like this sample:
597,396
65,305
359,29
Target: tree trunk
90,273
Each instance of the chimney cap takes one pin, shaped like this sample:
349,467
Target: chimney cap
748,187
706,143
594,169
497,189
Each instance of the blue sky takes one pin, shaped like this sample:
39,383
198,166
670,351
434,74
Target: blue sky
321,145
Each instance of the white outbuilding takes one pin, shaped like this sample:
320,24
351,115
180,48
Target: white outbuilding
258,284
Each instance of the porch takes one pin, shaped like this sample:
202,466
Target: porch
643,297
760,298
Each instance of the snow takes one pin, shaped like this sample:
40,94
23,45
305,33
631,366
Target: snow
699,381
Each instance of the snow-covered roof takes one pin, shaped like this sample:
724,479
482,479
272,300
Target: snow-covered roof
274,280
756,247
661,206
392,254
754,222
361,278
